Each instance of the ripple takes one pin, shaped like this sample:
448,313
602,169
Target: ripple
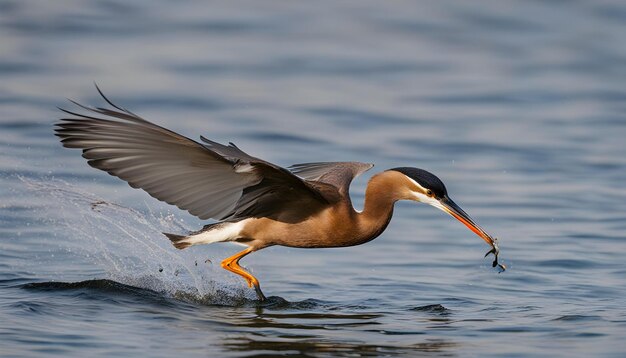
332,348
353,117
567,263
578,318
436,308
174,102
94,288
16,68
30,307
298,66
499,23
99,288
287,138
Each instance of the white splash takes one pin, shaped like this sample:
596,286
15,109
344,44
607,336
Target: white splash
128,245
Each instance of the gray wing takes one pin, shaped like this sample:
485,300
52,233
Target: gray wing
209,181
338,174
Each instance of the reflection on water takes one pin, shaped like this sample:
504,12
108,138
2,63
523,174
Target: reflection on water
304,327
517,106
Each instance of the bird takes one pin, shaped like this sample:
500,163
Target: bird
256,203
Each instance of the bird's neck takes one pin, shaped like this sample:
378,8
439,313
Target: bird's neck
380,197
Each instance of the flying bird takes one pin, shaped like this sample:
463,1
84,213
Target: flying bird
257,204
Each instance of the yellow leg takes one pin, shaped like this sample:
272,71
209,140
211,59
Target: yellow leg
232,264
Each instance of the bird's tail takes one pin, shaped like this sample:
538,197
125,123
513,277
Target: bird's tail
216,232
179,241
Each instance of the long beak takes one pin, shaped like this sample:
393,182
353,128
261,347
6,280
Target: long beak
451,208
446,204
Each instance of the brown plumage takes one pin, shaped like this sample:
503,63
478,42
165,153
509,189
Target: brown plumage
259,204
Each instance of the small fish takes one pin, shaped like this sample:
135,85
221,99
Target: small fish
495,250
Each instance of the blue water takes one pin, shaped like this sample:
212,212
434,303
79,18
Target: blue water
519,106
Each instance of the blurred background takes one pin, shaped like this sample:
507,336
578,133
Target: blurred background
517,105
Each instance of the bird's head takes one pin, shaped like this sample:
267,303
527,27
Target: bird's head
423,186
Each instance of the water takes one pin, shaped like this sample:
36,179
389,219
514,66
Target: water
518,106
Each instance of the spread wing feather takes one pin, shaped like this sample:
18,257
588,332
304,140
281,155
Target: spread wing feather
209,180
337,174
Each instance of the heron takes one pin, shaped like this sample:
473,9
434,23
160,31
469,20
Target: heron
256,203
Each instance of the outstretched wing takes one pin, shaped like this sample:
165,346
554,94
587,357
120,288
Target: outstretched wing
338,174
209,180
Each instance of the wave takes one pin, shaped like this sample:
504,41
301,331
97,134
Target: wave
107,289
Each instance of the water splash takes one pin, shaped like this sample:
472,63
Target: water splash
128,244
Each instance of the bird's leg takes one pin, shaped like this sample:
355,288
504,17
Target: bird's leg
232,264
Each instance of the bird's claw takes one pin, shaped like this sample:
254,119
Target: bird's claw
495,250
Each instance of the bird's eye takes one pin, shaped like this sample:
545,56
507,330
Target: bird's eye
429,192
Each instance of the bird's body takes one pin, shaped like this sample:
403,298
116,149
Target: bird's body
258,204
338,225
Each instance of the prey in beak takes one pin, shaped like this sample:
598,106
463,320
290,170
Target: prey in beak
447,205
427,188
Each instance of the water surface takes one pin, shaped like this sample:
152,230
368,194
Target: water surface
518,106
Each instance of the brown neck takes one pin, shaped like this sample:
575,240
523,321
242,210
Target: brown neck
380,196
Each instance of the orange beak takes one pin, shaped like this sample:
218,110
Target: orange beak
453,209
